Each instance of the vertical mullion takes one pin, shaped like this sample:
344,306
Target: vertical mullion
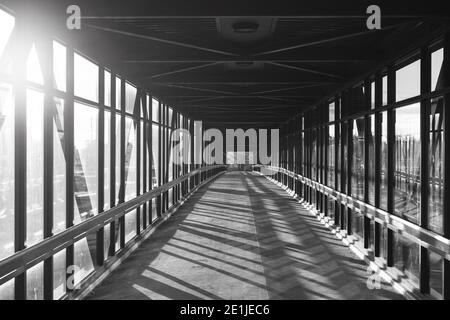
349,169
20,152
122,162
146,205
160,159
342,156
425,80
367,124
46,59
378,131
69,151
349,138
150,156
390,158
112,182
337,161
137,121
101,164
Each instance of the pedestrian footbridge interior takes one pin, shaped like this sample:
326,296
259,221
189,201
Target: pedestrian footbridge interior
119,179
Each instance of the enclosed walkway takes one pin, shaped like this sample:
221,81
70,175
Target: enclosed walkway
241,237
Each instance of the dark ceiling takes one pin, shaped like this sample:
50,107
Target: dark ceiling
189,54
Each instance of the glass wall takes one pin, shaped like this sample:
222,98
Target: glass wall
75,112
385,144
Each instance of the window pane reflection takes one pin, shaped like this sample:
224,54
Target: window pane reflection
383,161
107,88
406,257
85,78
331,155
35,166
83,261
6,170
436,166
59,274
85,161
34,71
59,168
407,81
407,162
130,97
35,282
59,66
358,159
437,58
107,163
371,159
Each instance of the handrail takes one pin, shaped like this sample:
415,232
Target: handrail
426,238
25,259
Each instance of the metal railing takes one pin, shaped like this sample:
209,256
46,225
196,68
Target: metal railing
21,261
425,238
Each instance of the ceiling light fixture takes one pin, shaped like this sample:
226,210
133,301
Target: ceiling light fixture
245,27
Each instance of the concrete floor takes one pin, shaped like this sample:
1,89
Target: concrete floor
242,237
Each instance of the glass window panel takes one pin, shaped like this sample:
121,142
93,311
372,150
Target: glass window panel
437,58
59,274
372,95
406,257
155,110
142,149
130,97
331,112
35,282
331,155
338,157
106,239
436,262
344,142
7,23
170,162
383,242
118,155
130,159
407,81
436,167
107,164
155,157
85,78
85,161
407,162
7,290
118,93
83,261
358,227
59,169
59,65
130,225
314,154
148,107
358,159
107,88
383,161
35,166
371,159
384,90
6,172
34,71
170,117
